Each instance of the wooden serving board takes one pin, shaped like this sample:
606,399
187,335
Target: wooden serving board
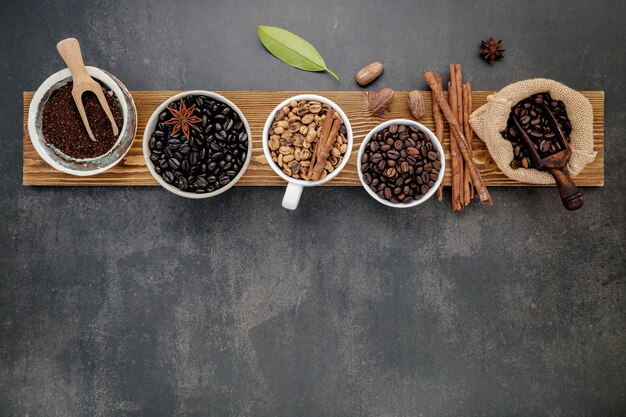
257,105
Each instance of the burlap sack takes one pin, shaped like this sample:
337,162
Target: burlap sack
490,119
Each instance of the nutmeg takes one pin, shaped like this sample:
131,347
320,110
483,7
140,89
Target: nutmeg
379,101
416,104
369,73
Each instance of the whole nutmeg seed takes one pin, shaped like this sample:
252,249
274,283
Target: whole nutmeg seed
369,73
416,104
379,101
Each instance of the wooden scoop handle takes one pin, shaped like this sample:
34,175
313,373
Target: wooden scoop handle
70,52
570,194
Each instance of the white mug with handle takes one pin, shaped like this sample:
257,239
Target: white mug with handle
295,186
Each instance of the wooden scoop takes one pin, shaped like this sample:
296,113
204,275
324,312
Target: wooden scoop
70,52
556,163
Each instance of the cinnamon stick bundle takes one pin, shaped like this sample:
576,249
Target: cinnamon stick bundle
456,167
438,117
459,138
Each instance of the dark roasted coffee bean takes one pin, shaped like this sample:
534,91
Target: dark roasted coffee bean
184,148
174,163
376,158
168,177
174,144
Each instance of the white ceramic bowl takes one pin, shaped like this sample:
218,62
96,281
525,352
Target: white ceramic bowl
432,138
87,166
152,123
295,186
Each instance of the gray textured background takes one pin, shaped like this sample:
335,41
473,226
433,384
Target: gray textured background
133,302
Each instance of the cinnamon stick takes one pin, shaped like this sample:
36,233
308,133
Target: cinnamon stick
438,117
455,158
460,139
470,138
324,150
328,123
467,130
459,101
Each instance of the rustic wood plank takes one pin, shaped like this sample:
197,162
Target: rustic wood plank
257,104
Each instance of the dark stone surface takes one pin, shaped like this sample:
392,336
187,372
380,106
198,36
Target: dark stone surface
133,302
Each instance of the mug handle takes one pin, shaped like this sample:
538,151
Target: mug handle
292,196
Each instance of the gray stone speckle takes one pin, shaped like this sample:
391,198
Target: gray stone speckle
133,302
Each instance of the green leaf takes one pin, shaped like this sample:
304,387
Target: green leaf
292,49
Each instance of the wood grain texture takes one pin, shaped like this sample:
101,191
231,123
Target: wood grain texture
257,105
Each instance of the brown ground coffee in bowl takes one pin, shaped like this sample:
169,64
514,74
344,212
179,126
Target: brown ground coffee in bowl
63,127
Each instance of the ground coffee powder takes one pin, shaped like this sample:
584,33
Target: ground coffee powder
63,128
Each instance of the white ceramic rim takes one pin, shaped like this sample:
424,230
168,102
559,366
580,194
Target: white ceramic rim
39,142
268,154
152,124
432,138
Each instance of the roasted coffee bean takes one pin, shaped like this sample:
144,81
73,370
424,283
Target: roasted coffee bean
168,176
220,146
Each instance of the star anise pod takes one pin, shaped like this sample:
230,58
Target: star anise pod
183,119
490,50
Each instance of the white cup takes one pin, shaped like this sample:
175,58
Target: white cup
295,186
426,131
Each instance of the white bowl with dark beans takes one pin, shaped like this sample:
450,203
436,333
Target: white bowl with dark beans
197,144
401,163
